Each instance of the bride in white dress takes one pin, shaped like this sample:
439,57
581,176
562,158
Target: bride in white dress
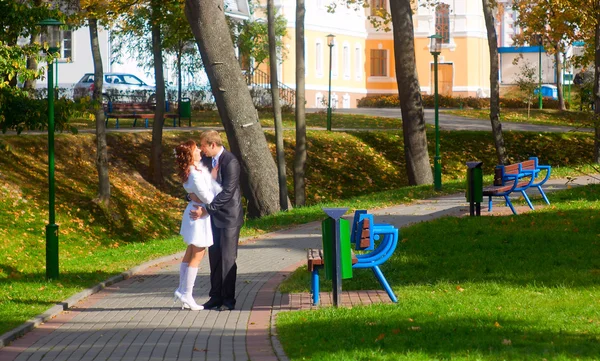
197,234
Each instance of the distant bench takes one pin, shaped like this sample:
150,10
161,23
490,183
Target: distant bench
517,177
135,111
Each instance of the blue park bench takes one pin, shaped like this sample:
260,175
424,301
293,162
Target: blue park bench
377,243
518,177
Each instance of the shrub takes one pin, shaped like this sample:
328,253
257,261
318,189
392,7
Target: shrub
19,111
445,101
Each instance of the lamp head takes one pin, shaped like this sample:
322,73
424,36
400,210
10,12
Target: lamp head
53,34
435,44
330,39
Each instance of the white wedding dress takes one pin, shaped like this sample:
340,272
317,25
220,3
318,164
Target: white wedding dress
198,232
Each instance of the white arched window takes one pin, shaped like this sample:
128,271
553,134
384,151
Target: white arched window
319,58
346,61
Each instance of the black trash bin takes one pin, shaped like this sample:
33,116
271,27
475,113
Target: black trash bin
474,187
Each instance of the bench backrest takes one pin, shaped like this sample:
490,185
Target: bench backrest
516,168
362,231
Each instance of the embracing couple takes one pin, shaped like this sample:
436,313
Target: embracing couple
213,218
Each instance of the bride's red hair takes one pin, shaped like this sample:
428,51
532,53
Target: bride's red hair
184,157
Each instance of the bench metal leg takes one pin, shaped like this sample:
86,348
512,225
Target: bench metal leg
543,194
146,122
384,283
117,124
527,199
134,122
490,204
314,286
510,204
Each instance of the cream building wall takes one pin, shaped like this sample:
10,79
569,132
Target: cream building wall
464,61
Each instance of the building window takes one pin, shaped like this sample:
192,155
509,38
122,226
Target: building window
358,67
319,58
346,61
377,7
378,62
442,22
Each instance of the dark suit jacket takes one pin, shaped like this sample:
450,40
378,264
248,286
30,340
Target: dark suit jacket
226,208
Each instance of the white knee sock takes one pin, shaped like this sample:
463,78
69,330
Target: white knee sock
183,269
192,272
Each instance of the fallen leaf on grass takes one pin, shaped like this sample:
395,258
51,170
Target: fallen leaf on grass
506,342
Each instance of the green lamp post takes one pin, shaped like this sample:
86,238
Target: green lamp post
54,40
330,42
435,48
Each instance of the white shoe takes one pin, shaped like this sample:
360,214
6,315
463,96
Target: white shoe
177,295
188,302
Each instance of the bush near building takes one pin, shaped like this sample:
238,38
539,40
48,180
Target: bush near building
392,101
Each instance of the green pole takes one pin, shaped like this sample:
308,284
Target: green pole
540,71
329,101
52,227
437,161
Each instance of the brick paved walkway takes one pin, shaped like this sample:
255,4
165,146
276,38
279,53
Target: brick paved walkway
136,319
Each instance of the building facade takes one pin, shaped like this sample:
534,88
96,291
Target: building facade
362,57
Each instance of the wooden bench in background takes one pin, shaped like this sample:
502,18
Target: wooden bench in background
518,177
134,111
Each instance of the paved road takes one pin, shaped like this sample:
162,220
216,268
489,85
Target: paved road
453,122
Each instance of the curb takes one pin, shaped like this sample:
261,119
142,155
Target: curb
8,337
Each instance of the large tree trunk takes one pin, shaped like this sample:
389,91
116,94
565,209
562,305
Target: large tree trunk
494,84
156,174
597,90
300,151
283,193
413,122
236,109
559,67
101,148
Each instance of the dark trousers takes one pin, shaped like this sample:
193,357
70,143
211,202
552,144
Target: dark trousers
223,269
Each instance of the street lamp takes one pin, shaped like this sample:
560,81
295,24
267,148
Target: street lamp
540,41
435,48
54,41
330,42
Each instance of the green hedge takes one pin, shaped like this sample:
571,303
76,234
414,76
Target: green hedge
20,111
392,101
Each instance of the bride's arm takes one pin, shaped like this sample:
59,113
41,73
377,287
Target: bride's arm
202,186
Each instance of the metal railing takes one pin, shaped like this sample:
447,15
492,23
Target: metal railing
260,79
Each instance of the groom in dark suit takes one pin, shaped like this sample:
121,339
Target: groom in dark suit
227,217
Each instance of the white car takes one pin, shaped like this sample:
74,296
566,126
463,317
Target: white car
117,87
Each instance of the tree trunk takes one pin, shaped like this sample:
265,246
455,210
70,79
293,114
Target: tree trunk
101,148
236,109
559,67
418,166
494,84
597,90
283,193
32,63
300,151
156,174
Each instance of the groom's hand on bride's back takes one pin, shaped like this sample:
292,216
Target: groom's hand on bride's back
198,212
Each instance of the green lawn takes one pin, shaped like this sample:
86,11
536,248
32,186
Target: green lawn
543,117
521,287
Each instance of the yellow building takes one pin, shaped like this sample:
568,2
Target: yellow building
362,57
